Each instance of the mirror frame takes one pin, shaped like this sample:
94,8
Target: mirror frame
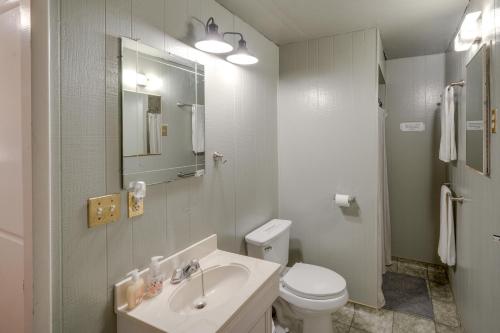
485,49
166,175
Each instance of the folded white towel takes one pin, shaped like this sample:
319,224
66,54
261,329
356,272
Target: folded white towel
446,247
448,147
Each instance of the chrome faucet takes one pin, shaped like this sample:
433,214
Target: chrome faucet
185,272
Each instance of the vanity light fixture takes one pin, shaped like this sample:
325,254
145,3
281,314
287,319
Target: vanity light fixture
469,32
213,42
241,56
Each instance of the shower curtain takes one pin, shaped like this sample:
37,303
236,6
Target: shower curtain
154,133
383,217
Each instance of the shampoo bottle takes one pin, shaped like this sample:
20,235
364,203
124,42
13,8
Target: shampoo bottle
155,281
135,291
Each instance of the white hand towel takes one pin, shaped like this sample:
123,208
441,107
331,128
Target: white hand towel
446,247
198,128
448,147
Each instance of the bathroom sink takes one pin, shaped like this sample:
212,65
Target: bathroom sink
239,292
220,282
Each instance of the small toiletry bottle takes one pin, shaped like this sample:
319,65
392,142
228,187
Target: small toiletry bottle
135,291
155,281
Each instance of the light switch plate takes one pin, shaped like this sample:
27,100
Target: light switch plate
133,208
103,210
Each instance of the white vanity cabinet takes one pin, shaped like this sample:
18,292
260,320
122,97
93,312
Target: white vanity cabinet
239,293
264,325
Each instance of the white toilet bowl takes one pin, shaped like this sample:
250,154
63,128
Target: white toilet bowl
314,293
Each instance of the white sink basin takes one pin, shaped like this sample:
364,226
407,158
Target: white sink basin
221,283
239,292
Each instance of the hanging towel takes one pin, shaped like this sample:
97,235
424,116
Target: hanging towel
198,128
448,147
446,247
154,133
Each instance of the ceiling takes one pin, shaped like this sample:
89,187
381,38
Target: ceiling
408,27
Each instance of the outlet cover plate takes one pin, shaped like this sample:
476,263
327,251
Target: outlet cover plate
133,208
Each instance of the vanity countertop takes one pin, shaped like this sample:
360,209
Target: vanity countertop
159,315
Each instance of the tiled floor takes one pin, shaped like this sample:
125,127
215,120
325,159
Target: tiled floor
354,318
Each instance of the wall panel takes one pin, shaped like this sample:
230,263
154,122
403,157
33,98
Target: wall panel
477,272
241,112
414,86
327,143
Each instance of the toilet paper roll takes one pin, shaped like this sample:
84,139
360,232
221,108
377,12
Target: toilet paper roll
343,200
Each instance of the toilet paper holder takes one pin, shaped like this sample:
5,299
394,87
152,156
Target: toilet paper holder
341,200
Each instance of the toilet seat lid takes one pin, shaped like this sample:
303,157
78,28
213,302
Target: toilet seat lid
311,281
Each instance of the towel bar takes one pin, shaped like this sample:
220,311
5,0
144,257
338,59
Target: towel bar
179,104
458,199
458,83
186,175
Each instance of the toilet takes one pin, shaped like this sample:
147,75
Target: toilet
313,292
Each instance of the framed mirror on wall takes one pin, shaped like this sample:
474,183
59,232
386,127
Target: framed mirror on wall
477,108
163,115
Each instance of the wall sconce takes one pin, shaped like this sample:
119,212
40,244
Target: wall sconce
469,32
131,79
241,56
213,42
141,80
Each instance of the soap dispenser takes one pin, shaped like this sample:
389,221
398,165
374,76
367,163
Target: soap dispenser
155,281
135,291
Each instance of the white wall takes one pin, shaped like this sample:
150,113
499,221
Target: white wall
84,129
327,143
414,86
475,278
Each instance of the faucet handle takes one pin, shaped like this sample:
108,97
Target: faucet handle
176,276
195,263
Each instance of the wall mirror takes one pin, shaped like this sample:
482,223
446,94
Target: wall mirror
163,115
477,138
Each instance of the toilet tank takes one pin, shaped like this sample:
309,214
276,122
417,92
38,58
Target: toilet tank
270,241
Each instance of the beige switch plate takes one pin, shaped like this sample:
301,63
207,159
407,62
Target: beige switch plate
103,210
164,130
133,209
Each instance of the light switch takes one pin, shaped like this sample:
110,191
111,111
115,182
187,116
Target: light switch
103,210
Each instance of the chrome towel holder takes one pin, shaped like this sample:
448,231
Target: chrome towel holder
453,198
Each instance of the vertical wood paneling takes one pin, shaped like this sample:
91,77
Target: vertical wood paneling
83,166
247,112
148,19
119,235
476,275
414,86
327,110
176,214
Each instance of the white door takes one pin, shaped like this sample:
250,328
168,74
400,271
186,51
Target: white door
14,131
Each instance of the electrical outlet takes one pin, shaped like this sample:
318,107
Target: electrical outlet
134,208
103,210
